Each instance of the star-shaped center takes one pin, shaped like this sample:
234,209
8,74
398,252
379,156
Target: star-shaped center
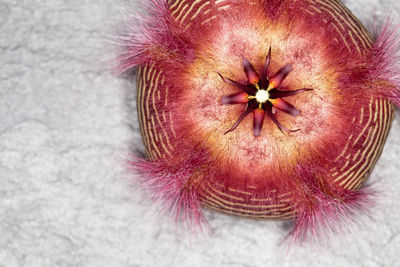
262,95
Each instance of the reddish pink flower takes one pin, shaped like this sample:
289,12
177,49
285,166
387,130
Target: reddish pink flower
189,54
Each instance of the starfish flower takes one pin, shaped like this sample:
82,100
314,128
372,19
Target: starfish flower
262,96
315,176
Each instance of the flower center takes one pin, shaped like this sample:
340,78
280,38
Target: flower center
262,96
260,101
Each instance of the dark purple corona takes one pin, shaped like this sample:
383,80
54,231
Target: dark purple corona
262,96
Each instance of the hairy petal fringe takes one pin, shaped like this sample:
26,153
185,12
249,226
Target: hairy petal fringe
385,62
171,191
323,209
150,30
328,215
141,33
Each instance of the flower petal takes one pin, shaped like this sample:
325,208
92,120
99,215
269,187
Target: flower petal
264,75
252,75
275,81
284,106
238,98
243,87
275,93
268,109
258,121
250,107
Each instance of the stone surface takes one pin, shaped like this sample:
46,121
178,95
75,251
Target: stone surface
66,126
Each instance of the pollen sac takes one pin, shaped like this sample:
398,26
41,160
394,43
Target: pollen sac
264,109
262,96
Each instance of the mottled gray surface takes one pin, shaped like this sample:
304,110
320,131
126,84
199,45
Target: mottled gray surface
66,124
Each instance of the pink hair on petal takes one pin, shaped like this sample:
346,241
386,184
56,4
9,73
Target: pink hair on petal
171,190
324,209
385,62
148,33
140,32
147,30
329,215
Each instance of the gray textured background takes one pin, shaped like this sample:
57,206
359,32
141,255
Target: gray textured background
66,124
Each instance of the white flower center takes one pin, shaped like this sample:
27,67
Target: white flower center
262,96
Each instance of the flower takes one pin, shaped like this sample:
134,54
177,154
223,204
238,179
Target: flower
185,50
